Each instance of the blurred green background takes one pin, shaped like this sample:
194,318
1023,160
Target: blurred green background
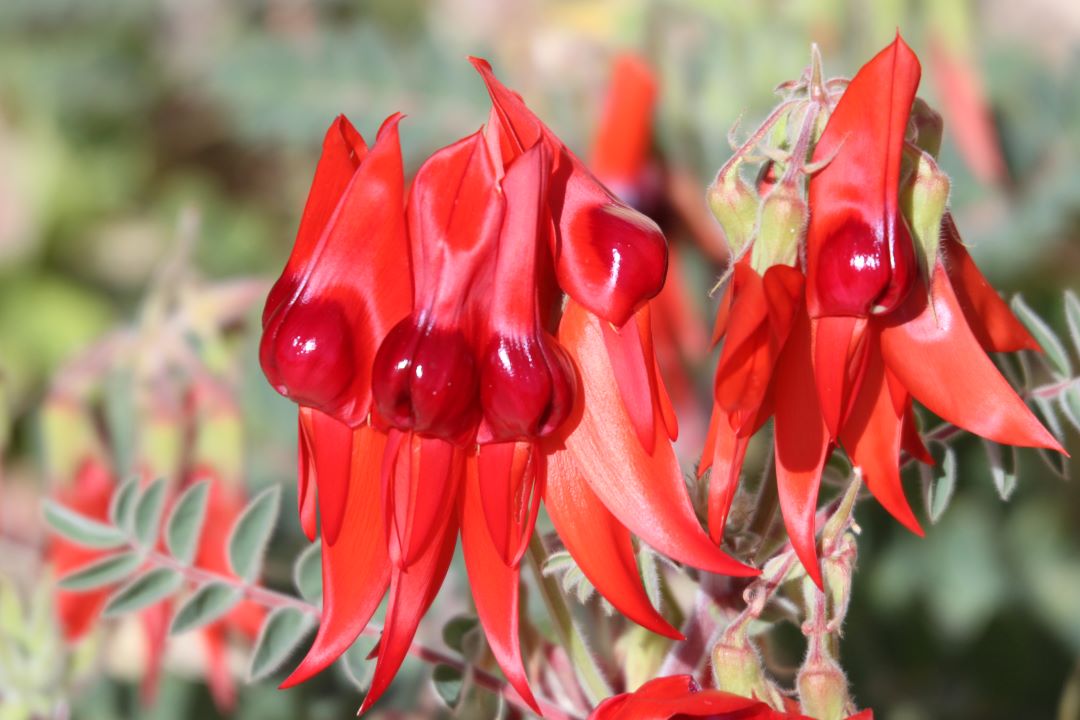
117,114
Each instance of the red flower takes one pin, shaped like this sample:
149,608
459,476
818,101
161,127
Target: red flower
461,400
875,330
679,696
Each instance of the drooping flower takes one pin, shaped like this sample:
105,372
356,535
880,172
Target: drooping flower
679,696
446,385
880,314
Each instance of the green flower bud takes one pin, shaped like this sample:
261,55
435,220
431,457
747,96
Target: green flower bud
781,226
924,197
737,666
823,688
928,127
735,205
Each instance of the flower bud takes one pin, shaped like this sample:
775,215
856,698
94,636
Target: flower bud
735,205
823,688
527,387
923,200
928,127
425,379
781,226
737,666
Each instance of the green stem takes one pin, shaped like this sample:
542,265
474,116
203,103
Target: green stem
592,681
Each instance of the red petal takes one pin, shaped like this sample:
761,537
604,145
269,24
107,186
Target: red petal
933,352
860,257
511,483
872,438
988,316
910,440
837,344
645,492
333,307
802,444
306,497
494,586
330,444
599,543
412,590
419,493
356,569
633,375
680,696
727,461
608,257
219,676
623,141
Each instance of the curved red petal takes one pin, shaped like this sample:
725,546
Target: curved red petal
599,543
931,349
728,455
802,444
412,591
633,375
330,444
306,496
334,308
910,439
988,316
872,437
860,257
680,696
839,344
355,569
645,492
495,587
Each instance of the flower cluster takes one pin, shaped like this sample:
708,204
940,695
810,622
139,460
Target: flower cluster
851,299
461,355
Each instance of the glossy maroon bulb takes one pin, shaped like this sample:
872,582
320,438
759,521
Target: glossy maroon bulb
527,387
424,379
859,272
307,353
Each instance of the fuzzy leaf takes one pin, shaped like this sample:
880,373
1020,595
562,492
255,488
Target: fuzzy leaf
1072,317
207,604
80,529
185,522
251,533
148,513
355,663
1070,405
455,630
942,485
122,506
1002,468
448,681
142,592
281,632
1047,338
307,573
106,571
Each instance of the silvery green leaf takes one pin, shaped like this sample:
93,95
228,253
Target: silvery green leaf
456,628
207,604
448,681
1049,413
142,592
1070,405
122,505
148,513
106,571
942,484
1002,468
650,574
1072,317
281,632
80,529
307,573
251,533
355,663
1046,337
185,522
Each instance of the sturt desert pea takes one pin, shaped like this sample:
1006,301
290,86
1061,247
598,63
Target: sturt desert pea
458,357
862,317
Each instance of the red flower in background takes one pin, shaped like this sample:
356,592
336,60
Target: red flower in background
443,385
839,361
680,697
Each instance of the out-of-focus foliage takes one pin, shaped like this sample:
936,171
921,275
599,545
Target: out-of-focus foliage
116,114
